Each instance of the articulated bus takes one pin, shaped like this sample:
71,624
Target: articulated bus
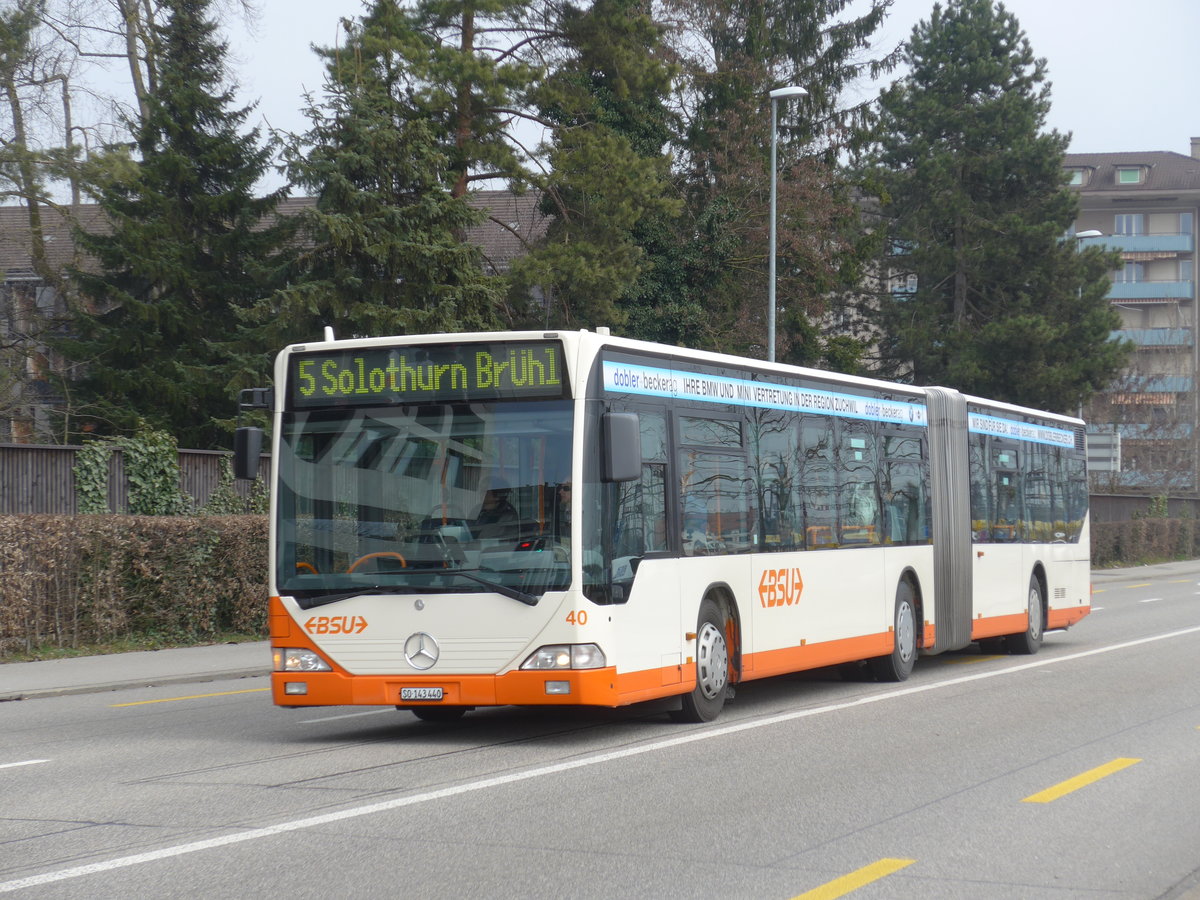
472,520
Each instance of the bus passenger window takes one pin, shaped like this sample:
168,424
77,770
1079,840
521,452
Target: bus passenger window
717,514
815,474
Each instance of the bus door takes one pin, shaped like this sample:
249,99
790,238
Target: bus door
1000,533
634,534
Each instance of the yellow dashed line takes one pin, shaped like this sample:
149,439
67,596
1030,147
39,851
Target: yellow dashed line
1074,784
840,887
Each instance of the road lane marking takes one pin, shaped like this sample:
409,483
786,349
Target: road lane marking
469,787
1151,600
189,697
26,762
369,712
840,887
1073,784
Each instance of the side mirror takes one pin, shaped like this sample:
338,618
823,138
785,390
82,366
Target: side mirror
622,447
247,449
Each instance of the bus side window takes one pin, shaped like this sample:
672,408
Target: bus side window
858,504
641,514
815,475
773,470
981,497
717,515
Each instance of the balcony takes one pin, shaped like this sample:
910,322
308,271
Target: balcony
1155,338
1142,243
1150,291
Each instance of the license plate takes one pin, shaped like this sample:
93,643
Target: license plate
420,693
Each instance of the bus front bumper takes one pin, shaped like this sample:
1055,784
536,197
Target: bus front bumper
590,687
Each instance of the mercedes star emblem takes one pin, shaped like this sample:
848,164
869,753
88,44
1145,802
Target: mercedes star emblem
421,650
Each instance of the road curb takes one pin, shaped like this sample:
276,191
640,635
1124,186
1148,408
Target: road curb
132,683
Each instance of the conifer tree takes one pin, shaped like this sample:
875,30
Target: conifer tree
383,250
188,246
975,208
609,172
704,283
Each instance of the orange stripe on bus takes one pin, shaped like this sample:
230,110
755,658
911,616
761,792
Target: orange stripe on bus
278,620
1065,618
994,626
815,656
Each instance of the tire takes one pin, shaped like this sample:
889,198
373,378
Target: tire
1028,641
438,713
706,700
898,664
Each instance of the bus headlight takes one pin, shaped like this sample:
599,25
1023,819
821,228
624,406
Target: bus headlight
298,659
566,656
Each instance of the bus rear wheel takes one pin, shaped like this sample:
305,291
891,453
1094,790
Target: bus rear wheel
898,664
707,699
1030,639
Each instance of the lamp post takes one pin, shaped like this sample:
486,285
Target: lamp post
1080,237
775,96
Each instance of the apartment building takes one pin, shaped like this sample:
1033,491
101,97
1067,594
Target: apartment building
1146,205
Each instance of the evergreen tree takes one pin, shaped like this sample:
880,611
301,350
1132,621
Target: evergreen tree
383,250
705,280
187,249
609,173
974,206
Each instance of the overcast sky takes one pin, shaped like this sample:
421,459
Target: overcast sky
1124,74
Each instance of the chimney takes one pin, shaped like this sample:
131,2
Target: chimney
1196,148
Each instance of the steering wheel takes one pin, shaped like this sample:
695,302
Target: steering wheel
386,553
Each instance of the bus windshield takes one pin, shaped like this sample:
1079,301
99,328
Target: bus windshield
437,497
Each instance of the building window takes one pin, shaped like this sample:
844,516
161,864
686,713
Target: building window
1185,270
1132,272
1185,223
1129,175
1075,176
1129,223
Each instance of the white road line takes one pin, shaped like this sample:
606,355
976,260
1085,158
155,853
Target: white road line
705,734
27,762
1150,600
369,712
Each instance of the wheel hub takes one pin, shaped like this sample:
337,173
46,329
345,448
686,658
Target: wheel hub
712,661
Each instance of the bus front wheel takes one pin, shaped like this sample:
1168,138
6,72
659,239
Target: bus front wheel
706,700
898,664
1030,639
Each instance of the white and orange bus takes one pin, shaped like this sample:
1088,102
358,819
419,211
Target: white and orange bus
469,520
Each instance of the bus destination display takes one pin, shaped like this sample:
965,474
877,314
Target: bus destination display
432,373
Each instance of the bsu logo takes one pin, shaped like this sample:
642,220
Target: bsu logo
780,587
336,625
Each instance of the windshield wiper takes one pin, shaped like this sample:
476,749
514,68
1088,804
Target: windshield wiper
322,600
502,589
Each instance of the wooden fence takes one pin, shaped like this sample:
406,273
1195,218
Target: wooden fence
37,478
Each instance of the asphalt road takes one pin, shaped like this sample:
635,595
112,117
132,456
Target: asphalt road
1072,773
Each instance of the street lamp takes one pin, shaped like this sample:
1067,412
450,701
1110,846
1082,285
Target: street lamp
775,96
1080,237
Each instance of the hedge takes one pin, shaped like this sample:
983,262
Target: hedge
72,581
1142,541
68,581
